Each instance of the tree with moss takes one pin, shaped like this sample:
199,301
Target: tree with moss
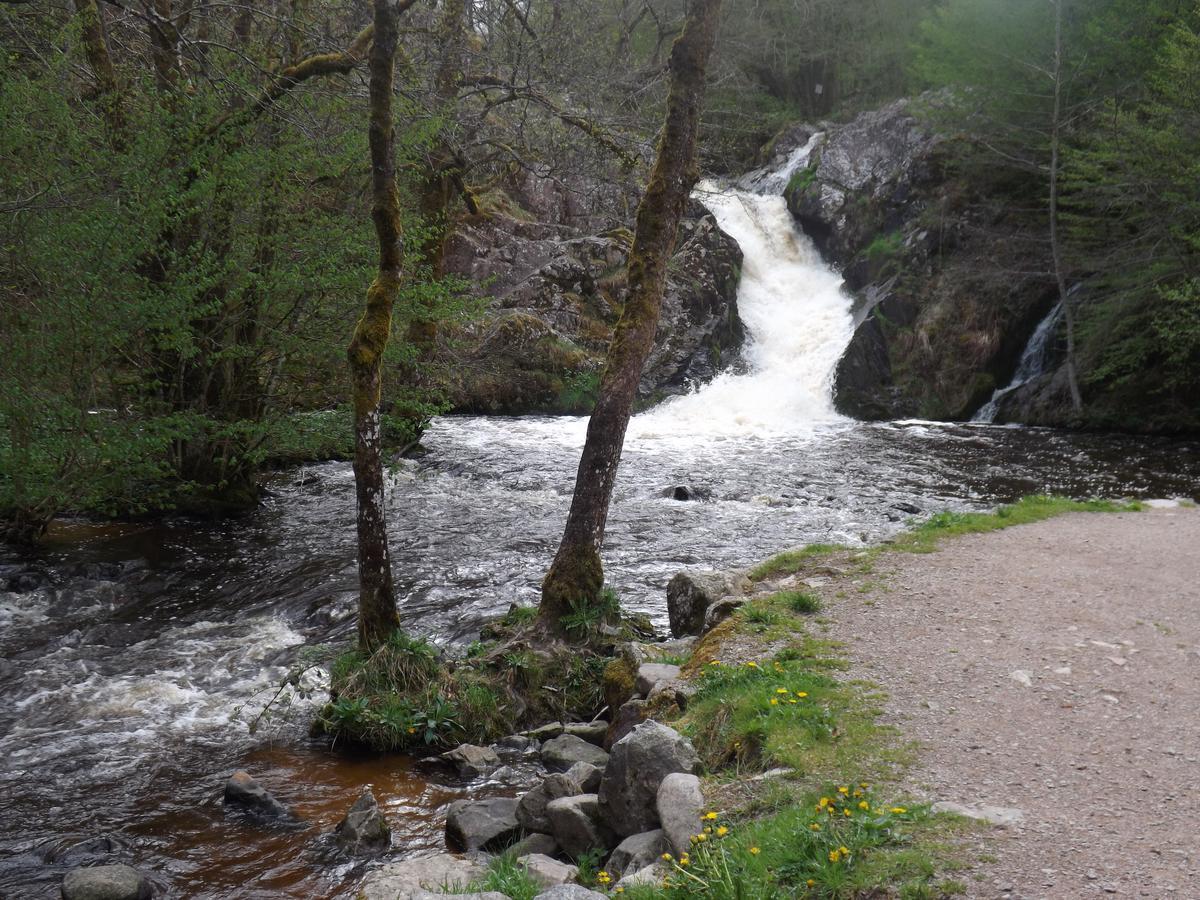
576,577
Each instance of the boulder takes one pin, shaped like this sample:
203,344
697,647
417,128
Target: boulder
106,883
586,776
517,743
544,844
531,808
562,752
651,674
482,824
471,761
690,594
364,831
675,691
547,872
576,823
628,717
545,732
639,763
636,852
649,876
592,732
720,611
243,791
680,805
412,878
569,892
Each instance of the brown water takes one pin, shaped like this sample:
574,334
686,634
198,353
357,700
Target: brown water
132,657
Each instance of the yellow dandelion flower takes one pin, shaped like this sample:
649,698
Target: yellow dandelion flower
811,882
858,793
754,851
801,694
843,790
899,810
715,662
774,702
824,802
834,856
864,805
846,811
701,838
708,829
793,700
752,664
619,890
815,826
722,831
863,785
666,857
710,815
781,690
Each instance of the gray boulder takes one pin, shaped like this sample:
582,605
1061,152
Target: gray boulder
569,892
482,824
639,763
631,714
690,594
106,883
648,876
586,775
720,611
471,761
534,843
531,808
576,823
364,831
636,852
592,732
651,674
546,732
547,872
680,805
516,743
412,878
562,752
243,791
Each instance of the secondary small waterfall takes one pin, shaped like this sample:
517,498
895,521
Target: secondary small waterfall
798,321
1031,365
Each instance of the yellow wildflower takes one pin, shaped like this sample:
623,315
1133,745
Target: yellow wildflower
864,805
801,693
815,827
845,851
899,810
752,664
710,816
843,790
754,851
774,702
811,882
781,690
846,811
666,857
824,802
834,856
708,829
722,831
701,838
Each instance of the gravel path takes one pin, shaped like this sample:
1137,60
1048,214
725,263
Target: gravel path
1055,669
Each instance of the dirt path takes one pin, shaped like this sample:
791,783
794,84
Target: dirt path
1055,669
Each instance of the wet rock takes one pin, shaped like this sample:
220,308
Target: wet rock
546,732
471,761
364,831
685,494
628,717
592,732
482,824
720,611
547,872
544,844
576,824
569,892
28,580
690,594
680,805
652,674
636,852
106,883
639,763
562,752
411,878
586,776
244,792
531,808
516,743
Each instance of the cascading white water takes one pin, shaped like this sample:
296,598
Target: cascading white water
1031,365
797,318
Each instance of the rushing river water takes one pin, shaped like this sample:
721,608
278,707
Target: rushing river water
132,657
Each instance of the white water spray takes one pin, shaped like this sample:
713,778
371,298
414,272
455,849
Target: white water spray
797,319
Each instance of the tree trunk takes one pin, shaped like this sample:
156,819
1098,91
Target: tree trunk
377,615
95,47
576,576
1064,295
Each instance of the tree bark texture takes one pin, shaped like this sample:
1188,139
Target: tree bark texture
377,615
576,575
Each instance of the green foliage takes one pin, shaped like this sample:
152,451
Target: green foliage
803,602
579,392
506,876
885,246
790,561
801,180
587,615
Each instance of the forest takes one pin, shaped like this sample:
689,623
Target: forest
369,371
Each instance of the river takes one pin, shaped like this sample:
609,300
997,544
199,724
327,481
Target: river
133,656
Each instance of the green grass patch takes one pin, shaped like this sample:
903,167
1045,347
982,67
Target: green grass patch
506,876
803,602
791,561
801,180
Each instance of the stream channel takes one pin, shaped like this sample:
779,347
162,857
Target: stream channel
133,656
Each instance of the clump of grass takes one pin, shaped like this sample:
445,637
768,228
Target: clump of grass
803,602
790,561
506,876
760,615
587,615
925,537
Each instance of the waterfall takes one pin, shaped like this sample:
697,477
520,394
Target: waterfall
1031,365
797,317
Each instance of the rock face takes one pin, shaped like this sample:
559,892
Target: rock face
586,776
564,751
471,761
555,298
364,831
243,791
944,309
636,852
411,878
680,805
106,883
482,824
690,594
652,674
639,763
576,824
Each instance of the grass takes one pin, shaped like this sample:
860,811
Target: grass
506,876
790,561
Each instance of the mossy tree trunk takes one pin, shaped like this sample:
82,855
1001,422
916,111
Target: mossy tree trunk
577,576
377,615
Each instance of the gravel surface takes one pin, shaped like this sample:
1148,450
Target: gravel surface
1052,669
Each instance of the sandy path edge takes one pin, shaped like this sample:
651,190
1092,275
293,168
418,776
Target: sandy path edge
1100,750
